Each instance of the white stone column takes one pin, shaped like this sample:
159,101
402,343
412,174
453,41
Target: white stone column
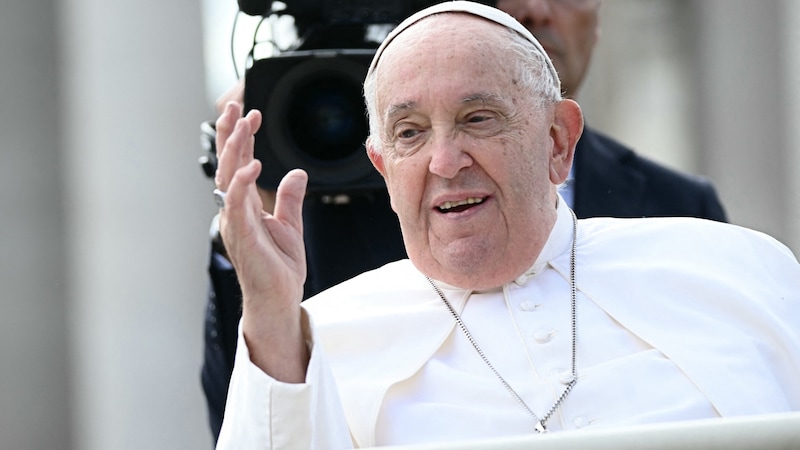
34,355
741,101
137,214
790,17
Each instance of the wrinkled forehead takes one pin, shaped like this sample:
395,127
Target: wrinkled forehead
476,9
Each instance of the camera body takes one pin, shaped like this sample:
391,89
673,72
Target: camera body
339,11
311,96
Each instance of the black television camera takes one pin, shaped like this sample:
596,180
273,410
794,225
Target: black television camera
311,94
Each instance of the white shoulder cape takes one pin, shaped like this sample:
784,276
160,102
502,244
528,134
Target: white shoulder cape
721,301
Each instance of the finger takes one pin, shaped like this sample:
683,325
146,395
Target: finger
225,124
243,181
234,94
254,118
289,199
231,158
242,203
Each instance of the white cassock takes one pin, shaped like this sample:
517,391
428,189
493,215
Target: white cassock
677,319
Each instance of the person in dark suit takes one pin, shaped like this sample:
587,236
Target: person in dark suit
609,179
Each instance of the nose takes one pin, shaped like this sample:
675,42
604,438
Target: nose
530,13
448,158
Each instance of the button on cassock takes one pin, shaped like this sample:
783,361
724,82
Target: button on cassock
529,306
544,336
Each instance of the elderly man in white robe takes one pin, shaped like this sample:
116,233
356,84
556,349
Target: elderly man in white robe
510,316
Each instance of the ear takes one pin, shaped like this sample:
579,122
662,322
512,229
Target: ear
376,156
566,130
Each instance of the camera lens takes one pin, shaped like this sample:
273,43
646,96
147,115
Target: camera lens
326,117
315,118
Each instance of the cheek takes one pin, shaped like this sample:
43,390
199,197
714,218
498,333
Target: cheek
586,39
525,171
405,181
518,153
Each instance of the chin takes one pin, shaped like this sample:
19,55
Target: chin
475,273
477,282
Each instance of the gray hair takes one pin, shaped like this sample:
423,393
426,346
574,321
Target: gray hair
533,69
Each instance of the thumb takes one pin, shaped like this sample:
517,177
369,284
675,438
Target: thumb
289,198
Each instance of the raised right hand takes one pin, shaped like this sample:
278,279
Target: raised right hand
266,249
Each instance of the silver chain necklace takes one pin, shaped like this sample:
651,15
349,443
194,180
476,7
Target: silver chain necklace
540,423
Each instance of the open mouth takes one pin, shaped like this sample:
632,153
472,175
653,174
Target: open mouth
461,205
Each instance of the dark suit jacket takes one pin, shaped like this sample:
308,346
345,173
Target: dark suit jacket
343,241
613,181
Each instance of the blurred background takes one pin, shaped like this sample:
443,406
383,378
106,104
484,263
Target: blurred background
105,211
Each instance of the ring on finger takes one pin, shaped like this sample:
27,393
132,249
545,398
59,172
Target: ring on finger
219,197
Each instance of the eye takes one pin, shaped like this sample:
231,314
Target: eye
407,133
482,123
480,117
407,137
477,118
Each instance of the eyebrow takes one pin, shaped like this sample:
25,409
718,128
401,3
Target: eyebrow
478,97
483,97
399,109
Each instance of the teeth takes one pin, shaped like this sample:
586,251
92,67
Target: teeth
469,201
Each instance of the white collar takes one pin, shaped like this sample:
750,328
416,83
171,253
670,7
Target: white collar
558,242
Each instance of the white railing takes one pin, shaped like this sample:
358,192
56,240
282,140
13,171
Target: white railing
768,432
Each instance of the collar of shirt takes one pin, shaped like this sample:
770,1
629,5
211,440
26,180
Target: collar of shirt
567,188
559,241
